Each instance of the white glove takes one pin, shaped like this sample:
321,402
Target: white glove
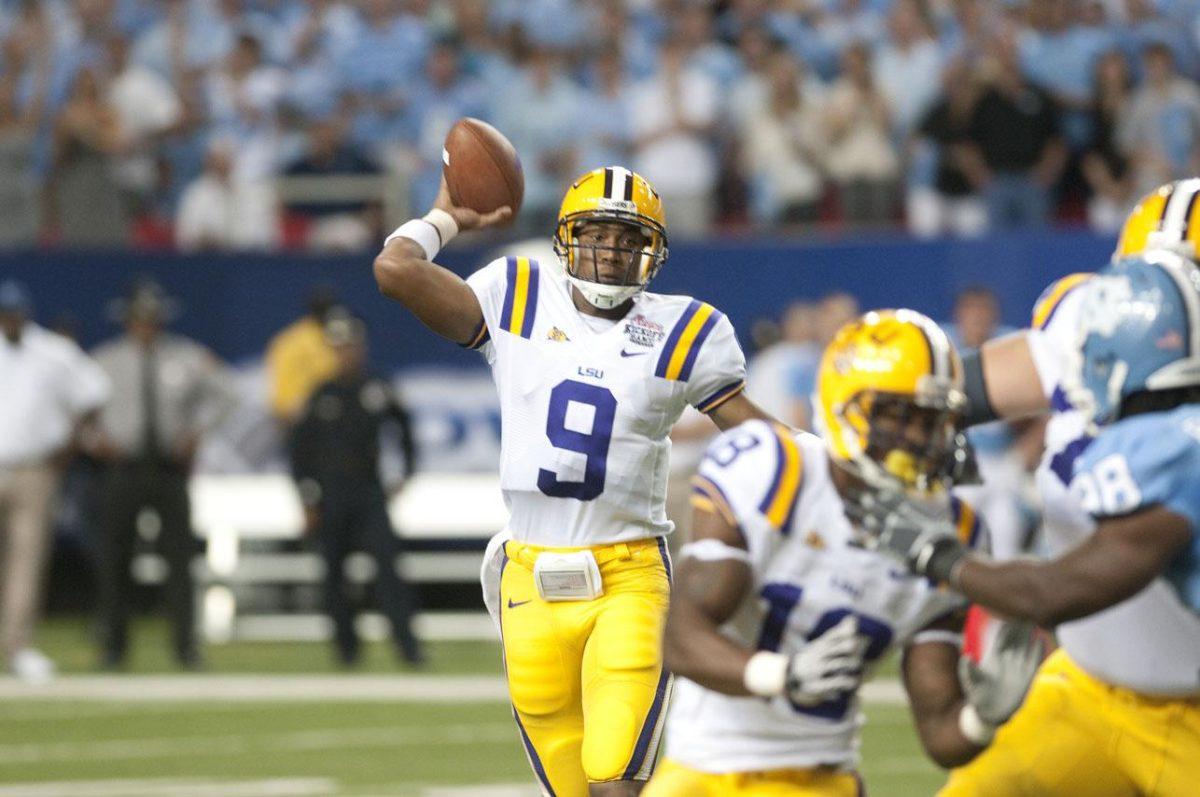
828,665
822,670
996,686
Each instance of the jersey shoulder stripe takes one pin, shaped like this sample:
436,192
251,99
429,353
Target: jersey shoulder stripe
1052,297
779,504
687,337
720,396
708,495
966,522
480,337
520,296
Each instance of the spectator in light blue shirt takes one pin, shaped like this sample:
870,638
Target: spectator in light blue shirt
608,138
1061,59
541,113
694,27
481,53
388,50
552,24
610,26
441,98
908,67
207,39
1161,128
1144,25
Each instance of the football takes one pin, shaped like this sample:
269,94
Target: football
481,166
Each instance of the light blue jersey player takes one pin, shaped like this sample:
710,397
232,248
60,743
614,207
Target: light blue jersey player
1137,386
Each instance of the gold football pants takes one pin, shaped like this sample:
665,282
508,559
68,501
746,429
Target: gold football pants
588,688
1076,736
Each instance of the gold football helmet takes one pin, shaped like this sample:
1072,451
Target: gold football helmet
1166,218
606,195
891,402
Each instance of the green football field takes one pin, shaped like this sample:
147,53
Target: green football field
268,720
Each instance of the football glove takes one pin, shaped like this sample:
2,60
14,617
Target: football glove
924,540
827,666
996,686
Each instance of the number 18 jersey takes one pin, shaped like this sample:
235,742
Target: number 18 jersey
585,413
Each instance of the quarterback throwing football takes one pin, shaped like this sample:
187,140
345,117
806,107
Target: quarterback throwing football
592,372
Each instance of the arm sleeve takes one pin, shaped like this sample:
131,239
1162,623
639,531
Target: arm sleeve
719,373
490,285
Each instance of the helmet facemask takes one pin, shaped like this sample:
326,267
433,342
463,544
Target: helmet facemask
905,442
606,274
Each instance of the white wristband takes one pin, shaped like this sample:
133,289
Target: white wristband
974,727
446,226
766,674
436,229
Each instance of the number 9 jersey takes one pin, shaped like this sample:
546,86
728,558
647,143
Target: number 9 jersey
586,403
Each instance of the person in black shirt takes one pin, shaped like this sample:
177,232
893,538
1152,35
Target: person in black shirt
335,461
1016,152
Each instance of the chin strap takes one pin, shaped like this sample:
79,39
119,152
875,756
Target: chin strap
604,297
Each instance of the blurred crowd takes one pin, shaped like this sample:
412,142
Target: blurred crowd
170,123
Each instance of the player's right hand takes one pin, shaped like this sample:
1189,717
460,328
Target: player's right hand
468,219
996,686
827,666
926,541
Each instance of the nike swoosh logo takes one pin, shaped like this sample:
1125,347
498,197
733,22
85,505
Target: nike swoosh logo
633,353
512,605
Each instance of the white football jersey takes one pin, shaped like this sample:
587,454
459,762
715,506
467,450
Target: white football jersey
808,576
585,412
1151,642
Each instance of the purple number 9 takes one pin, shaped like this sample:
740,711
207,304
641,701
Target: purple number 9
593,444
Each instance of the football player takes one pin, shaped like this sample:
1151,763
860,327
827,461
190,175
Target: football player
1115,711
592,372
778,610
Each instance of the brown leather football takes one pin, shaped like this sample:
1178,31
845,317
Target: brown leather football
482,169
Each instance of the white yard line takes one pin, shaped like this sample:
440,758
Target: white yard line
495,790
169,787
307,688
465,735
298,688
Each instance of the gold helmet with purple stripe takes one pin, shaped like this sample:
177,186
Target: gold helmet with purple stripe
612,194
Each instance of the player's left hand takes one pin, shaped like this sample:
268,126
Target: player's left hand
925,541
996,686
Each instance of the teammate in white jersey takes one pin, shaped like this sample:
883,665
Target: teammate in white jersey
592,372
778,609
1122,668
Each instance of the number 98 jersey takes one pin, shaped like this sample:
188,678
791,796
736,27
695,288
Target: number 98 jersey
807,576
585,410
1144,461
